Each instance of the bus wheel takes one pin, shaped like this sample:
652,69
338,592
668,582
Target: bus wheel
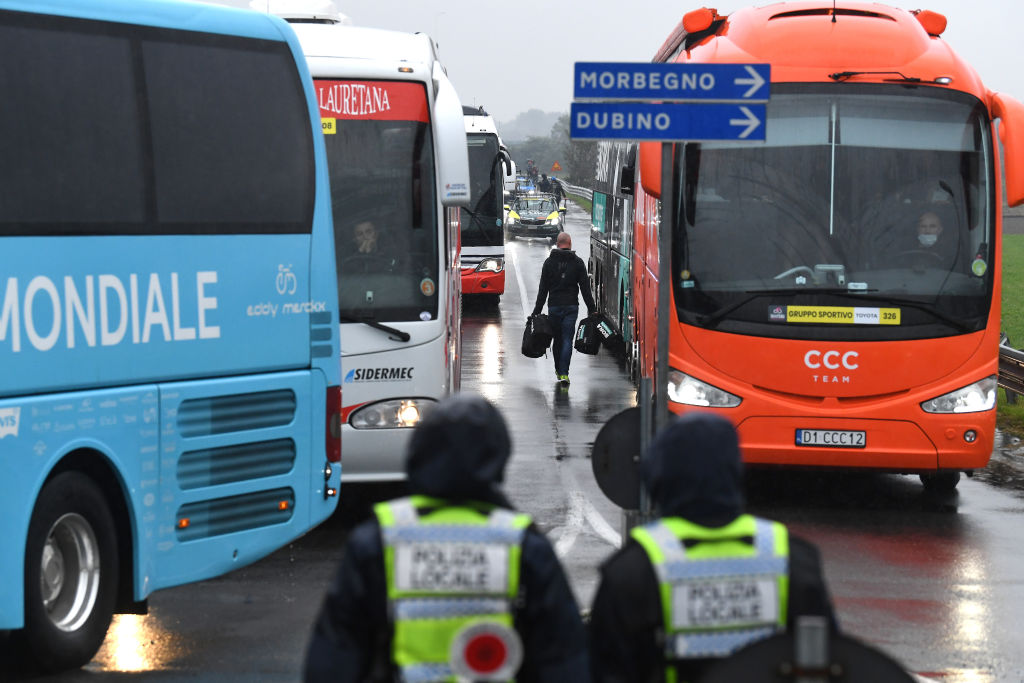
71,573
940,482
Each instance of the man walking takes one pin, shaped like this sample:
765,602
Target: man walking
450,583
705,579
562,278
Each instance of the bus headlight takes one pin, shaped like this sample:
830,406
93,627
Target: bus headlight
490,265
395,413
974,398
692,392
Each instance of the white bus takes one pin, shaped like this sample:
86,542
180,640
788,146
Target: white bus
396,151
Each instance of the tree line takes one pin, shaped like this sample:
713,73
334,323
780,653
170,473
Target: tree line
578,158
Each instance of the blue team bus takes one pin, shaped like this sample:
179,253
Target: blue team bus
169,354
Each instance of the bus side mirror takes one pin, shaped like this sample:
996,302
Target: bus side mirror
1010,113
627,180
650,167
452,154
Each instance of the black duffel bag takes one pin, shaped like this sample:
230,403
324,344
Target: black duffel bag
537,336
588,336
610,339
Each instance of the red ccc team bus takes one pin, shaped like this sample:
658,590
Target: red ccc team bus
836,289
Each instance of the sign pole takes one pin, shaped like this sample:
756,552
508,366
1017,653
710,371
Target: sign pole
646,512
650,427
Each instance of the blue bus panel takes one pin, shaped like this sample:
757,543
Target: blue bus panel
169,354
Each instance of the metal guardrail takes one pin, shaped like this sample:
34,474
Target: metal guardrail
584,192
1011,369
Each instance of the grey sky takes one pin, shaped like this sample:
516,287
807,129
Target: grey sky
518,55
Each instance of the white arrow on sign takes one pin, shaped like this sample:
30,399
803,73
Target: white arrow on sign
751,122
755,81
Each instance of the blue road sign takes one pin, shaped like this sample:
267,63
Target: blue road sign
667,82
666,121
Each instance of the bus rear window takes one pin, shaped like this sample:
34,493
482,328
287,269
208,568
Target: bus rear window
240,113
157,132
69,129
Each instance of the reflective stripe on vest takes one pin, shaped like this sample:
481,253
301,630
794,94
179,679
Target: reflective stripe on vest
427,673
716,600
444,608
445,571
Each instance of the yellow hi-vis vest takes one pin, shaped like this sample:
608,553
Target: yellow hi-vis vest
722,592
448,572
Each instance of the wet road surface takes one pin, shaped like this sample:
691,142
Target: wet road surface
938,583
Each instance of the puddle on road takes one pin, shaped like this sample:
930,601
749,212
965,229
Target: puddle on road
1006,468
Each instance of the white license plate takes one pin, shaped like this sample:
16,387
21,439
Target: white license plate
831,438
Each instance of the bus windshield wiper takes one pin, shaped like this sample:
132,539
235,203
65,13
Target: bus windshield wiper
399,335
479,222
712,319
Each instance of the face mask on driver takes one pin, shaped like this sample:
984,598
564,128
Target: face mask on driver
927,240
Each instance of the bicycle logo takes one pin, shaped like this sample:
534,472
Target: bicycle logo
286,282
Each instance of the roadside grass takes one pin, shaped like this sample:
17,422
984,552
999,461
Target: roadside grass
1013,284
1010,417
585,204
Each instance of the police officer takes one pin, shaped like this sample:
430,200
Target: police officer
450,581
705,579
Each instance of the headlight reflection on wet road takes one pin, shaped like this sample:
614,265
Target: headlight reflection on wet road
490,362
136,643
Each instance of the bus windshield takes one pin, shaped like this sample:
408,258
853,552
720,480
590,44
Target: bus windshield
868,197
481,222
383,194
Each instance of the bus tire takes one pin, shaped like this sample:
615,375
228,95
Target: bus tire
943,481
71,573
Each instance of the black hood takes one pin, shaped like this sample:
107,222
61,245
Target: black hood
693,470
567,254
459,451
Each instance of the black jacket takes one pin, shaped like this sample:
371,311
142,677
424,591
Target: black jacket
693,470
458,452
563,275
